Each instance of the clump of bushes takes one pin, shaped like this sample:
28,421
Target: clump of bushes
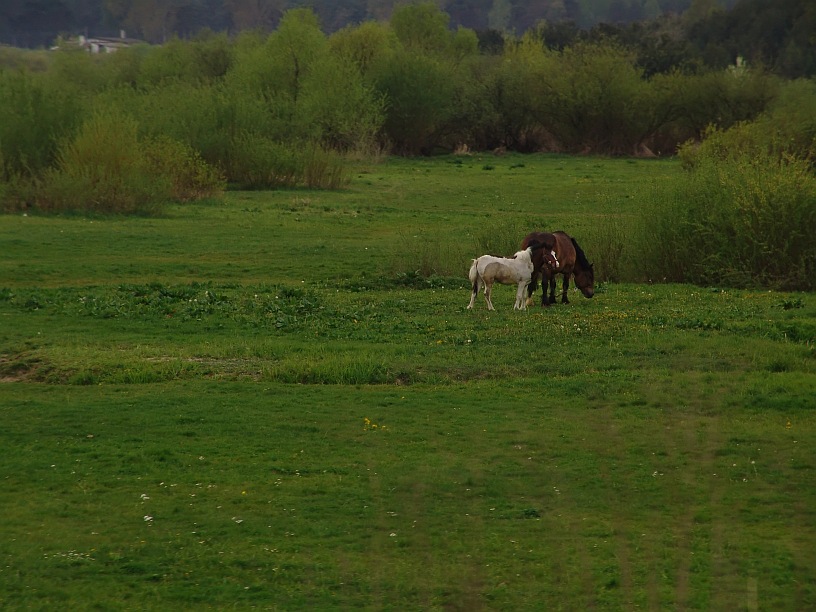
745,215
107,168
256,162
746,219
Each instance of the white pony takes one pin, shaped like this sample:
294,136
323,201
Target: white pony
488,269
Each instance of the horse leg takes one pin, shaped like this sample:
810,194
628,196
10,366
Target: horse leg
474,293
488,291
545,280
564,298
521,299
531,288
552,289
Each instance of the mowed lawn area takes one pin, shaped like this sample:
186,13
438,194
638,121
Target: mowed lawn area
279,400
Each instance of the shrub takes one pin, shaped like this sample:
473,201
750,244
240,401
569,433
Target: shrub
255,162
204,60
519,88
365,45
204,117
747,220
721,99
108,169
598,100
188,175
102,170
788,127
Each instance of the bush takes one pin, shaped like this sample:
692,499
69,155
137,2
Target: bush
204,60
787,128
588,98
747,220
255,162
598,100
102,170
189,176
107,169
200,116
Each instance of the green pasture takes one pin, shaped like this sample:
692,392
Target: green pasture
280,401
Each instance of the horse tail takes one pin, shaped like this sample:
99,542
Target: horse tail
473,275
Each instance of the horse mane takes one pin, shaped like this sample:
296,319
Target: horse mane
580,255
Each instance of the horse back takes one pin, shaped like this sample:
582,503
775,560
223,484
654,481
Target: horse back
559,242
498,272
565,251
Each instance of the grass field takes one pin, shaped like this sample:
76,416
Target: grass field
257,403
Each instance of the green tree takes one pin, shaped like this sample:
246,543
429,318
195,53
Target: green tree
204,60
520,90
419,91
422,27
35,115
365,45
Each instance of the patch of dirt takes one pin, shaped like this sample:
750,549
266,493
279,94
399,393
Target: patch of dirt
19,368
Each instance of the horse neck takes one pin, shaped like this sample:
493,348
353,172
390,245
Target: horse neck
579,271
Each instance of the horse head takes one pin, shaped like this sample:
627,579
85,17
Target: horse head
585,279
544,242
548,253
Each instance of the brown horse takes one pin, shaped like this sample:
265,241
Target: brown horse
571,262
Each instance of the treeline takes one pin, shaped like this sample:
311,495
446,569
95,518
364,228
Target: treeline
37,23
666,34
410,86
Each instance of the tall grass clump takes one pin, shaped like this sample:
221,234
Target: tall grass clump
744,220
423,255
503,239
607,244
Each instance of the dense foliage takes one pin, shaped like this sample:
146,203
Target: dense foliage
410,86
746,214
664,33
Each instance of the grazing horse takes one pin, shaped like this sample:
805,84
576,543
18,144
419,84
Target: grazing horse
487,269
571,260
